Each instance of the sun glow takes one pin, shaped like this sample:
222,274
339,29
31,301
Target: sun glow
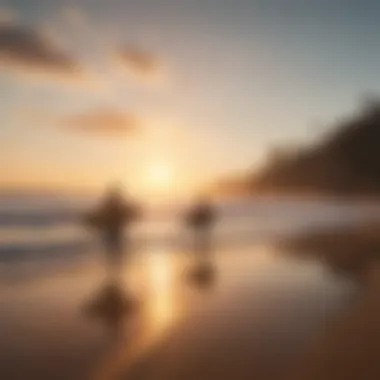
160,177
163,181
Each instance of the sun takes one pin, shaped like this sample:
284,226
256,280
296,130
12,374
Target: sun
160,176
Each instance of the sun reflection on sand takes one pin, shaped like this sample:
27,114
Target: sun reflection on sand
161,304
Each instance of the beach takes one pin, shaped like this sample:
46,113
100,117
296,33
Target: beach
255,314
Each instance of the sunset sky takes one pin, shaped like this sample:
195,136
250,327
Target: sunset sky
170,94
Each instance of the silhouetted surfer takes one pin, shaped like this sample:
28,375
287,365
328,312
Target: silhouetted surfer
112,219
201,219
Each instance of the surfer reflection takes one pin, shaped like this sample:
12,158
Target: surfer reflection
111,307
202,274
200,220
112,220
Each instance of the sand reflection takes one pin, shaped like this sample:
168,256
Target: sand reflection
161,307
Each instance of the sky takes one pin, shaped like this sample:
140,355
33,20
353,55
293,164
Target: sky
167,95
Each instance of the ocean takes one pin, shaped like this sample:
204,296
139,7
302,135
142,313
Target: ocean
51,228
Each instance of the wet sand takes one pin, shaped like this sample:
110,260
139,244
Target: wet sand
349,348
253,315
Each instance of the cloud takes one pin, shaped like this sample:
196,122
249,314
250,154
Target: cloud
29,52
103,121
100,121
140,64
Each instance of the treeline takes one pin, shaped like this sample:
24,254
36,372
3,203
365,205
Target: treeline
344,162
347,161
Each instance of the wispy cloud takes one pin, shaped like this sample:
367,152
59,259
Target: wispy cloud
140,64
28,52
97,121
103,121
72,50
